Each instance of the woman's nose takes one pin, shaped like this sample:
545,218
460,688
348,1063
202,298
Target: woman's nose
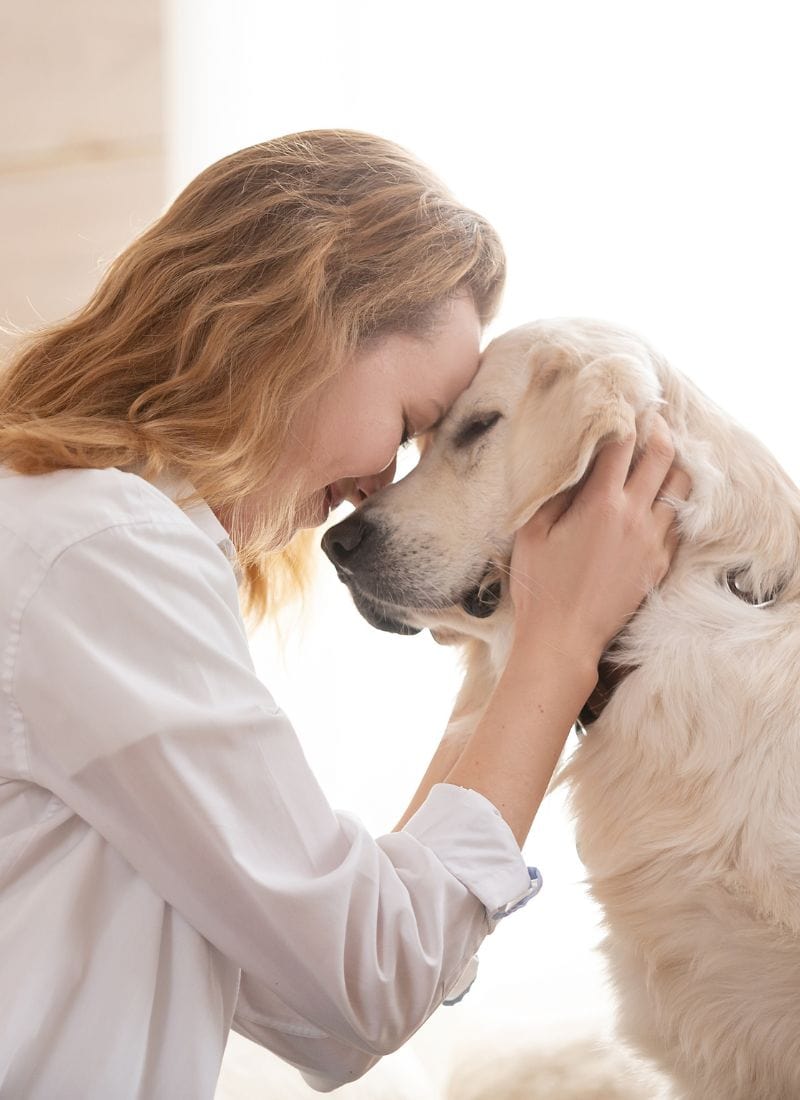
364,487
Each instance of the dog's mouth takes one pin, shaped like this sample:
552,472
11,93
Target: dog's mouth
479,602
381,616
483,600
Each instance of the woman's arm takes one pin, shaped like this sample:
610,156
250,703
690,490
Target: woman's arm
443,761
152,728
577,574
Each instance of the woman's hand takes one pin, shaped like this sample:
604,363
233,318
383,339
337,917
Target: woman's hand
582,566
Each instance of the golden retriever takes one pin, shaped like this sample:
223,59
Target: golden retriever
686,789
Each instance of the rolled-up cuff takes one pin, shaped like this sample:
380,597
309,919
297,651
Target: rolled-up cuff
470,837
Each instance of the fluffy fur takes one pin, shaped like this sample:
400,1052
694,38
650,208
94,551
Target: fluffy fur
686,791
582,1070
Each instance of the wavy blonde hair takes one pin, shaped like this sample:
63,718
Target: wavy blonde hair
210,332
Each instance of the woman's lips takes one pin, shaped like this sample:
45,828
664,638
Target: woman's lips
327,503
333,496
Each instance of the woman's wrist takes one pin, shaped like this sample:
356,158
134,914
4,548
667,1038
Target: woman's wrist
515,747
570,651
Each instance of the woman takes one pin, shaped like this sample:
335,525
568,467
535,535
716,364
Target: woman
170,866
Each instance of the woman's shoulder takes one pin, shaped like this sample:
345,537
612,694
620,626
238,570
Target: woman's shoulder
49,512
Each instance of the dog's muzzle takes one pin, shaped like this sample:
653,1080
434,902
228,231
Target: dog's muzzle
351,547
356,548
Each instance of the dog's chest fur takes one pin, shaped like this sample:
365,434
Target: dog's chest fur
686,790
686,797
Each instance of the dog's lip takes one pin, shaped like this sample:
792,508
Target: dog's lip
482,601
348,577
381,621
479,600
381,615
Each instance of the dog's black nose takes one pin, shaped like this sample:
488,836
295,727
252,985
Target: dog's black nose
347,541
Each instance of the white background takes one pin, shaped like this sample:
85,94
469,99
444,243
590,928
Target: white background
640,162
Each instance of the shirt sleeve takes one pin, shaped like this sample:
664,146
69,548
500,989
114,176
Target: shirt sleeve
326,1063
142,711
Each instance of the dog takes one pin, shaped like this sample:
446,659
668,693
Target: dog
686,787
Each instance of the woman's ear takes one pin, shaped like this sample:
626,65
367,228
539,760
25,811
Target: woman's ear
573,405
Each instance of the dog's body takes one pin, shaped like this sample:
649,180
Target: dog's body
686,790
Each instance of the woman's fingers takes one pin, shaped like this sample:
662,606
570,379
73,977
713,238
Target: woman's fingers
610,466
654,482
675,488
549,513
607,477
654,464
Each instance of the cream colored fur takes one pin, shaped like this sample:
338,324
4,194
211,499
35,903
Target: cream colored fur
686,792
581,1070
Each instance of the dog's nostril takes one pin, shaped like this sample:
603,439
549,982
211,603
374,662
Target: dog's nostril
342,542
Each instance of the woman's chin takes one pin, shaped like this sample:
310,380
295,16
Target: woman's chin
310,513
314,510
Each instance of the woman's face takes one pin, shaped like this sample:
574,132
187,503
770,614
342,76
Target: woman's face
346,445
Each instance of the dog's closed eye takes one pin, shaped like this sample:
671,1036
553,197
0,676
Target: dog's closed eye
475,427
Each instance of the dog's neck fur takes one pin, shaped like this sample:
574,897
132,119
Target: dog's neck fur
744,511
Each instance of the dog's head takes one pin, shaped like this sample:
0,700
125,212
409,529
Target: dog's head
433,549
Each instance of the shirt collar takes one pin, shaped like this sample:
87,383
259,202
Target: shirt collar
201,516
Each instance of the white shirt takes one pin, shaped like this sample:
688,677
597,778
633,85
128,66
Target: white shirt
169,867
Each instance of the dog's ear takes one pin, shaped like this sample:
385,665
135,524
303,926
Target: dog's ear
573,405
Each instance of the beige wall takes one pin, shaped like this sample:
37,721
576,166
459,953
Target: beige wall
81,146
